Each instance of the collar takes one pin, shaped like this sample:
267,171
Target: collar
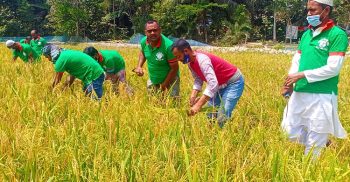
38,38
159,42
323,27
100,58
20,48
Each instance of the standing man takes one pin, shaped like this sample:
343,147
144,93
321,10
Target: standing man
114,66
37,42
163,68
78,65
23,51
311,115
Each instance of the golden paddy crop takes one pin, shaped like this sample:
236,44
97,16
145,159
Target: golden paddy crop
62,135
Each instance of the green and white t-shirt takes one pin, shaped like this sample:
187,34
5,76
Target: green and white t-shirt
315,51
38,44
158,58
24,52
112,61
78,64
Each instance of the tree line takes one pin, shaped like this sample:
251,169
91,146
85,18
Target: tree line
212,21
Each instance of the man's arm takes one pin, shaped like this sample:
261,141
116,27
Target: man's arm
197,107
295,63
30,58
142,60
332,69
174,68
57,79
287,90
69,81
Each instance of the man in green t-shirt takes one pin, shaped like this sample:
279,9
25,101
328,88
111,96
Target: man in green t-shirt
114,66
311,114
23,51
162,66
37,42
26,40
78,65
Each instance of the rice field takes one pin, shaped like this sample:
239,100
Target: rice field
63,136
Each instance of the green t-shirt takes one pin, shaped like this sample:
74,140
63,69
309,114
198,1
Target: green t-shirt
23,41
78,64
38,44
112,61
158,59
314,54
25,52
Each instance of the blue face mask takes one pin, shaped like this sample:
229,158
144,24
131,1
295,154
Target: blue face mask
186,59
314,20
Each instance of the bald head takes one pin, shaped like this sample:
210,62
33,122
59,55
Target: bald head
34,34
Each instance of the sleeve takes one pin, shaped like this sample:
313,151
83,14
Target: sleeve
295,63
335,61
60,65
143,44
339,46
170,56
198,83
43,42
209,74
332,69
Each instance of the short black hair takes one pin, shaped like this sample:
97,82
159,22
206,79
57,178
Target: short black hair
91,51
181,45
151,22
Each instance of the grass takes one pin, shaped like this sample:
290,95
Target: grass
64,136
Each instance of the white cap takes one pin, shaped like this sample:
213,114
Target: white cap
327,2
10,43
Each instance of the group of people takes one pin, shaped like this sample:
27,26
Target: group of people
309,118
28,49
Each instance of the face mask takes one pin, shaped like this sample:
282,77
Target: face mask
186,59
314,20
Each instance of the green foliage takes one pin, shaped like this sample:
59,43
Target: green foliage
222,21
197,20
240,29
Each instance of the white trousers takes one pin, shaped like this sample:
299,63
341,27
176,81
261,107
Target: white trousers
314,142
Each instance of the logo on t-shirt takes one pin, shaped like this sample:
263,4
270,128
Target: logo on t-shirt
323,44
159,56
39,43
24,54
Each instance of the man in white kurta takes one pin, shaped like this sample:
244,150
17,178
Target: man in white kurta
311,114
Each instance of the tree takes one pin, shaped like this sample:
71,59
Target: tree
342,13
68,16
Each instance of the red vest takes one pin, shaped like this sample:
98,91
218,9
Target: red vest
222,68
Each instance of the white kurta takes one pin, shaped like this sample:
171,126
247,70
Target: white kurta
312,111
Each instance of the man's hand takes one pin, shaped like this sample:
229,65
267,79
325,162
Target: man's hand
194,110
162,87
194,100
292,78
139,71
286,91
198,105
